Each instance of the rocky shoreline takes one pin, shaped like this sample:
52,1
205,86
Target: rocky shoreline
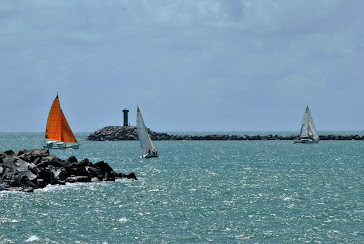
128,133
32,169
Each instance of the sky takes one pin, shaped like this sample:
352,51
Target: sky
201,65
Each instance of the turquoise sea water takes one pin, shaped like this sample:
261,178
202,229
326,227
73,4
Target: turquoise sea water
197,192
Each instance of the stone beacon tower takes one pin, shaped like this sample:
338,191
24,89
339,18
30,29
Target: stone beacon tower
125,111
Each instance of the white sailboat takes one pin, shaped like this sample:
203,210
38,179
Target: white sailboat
144,138
308,132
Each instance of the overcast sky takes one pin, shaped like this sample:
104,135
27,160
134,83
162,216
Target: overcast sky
238,65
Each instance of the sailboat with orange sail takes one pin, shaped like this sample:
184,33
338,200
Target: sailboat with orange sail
58,133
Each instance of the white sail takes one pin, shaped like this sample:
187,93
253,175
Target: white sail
308,129
143,135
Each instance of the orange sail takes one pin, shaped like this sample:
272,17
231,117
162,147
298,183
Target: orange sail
57,126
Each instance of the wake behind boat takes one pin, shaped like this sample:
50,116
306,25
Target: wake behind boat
144,138
58,133
308,132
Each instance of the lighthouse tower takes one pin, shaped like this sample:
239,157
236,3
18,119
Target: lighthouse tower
125,111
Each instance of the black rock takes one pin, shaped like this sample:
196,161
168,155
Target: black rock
95,172
41,183
9,152
85,162
131,176
71,160
9,162
74,179
31,169
109,177
79,171
60,174
47,175
3,155
105,168
37,160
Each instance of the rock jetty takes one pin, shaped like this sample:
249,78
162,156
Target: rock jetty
31,169
124,133
129,133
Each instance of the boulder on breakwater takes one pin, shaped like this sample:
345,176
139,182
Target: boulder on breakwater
129,133
31,169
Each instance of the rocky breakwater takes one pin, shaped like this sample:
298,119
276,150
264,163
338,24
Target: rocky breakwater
127,133
123,133
31,169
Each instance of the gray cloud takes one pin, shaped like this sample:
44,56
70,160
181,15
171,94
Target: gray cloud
209,60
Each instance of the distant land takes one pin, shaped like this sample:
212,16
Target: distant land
129,133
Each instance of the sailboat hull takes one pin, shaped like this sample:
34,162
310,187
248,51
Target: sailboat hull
150,155
60,145
306,141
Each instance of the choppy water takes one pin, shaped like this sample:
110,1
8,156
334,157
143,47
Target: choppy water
197,192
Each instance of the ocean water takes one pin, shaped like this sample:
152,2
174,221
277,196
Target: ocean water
196,192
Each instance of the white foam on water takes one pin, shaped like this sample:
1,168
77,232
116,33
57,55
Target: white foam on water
12,192
8,220
68,185
49,188
123,220
32,238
